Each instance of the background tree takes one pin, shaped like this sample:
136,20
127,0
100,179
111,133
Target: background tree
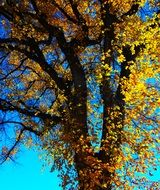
79,79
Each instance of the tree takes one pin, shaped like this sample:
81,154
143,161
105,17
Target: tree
79,79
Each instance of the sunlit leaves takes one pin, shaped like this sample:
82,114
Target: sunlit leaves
83,77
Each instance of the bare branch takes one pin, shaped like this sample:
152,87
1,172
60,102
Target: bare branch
8,153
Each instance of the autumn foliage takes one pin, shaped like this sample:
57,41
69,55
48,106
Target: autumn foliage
79,79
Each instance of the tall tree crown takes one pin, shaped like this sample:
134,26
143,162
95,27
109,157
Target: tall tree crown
80,80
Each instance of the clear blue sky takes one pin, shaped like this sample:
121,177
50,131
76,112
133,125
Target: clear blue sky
27,174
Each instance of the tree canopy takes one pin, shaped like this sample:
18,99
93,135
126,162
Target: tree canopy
79,79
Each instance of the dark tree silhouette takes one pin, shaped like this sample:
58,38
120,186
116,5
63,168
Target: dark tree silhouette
78,78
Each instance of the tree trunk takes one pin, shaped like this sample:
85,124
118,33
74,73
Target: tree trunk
88,173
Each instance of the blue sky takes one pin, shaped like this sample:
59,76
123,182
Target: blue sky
27,174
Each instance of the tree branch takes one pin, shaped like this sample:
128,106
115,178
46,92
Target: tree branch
24,127
13,44
64,12
134,8
7,154
8,106
22,61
